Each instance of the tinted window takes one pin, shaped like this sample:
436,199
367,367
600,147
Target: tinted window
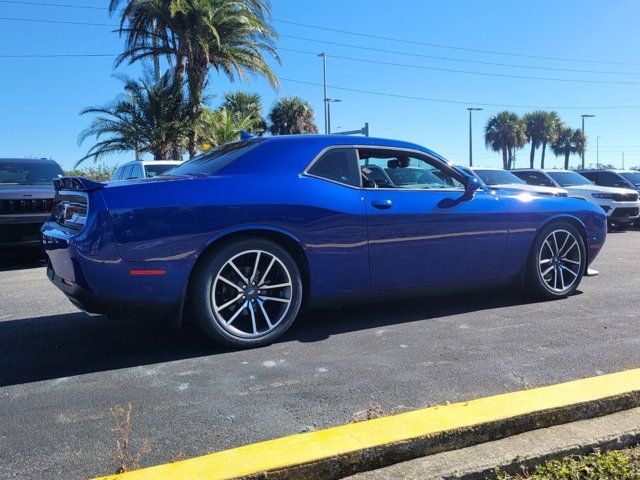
136,172
154,170
535,178
118,174
569,179
633,177
126,173
593,176
399,169
498,177
28,173
338,165
214,160
609,179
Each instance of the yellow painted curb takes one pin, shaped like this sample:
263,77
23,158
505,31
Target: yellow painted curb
359,443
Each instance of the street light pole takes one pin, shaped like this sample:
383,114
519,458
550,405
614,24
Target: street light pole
471,109
598,151
328,103
325,100
585,148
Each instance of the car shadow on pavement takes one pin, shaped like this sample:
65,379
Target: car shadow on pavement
19,259
57,346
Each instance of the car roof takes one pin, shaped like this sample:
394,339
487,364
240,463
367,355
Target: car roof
152,162
27,160
488,168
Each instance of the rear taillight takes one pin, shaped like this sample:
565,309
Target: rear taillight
70,209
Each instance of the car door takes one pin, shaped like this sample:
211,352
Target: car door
422,231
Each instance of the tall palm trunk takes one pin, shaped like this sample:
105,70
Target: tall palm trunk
505,159
544,149
566,160
532,155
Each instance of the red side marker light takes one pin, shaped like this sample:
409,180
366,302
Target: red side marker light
147,273
67,282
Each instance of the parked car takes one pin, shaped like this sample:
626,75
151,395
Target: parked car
26,199
143,169
614,178
620,204
498,179
244,235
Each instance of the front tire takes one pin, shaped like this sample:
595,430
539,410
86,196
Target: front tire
556,262
247,294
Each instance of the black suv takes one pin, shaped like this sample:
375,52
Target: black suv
26,199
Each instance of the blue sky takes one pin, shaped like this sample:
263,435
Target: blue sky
40,98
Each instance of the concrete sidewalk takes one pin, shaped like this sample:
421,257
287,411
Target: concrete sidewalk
618,430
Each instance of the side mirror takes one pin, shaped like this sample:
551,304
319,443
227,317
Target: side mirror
471,185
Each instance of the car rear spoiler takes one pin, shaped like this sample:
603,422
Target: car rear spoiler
76,183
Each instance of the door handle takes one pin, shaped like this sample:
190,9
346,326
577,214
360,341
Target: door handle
381,204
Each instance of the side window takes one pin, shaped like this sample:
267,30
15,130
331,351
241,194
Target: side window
118,174
609,179
338,165
136,172
535,178
126,173
399,169
593,176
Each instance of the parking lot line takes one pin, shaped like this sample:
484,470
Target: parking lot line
345,449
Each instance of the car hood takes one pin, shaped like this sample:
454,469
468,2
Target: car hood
24,192
530,188
600,189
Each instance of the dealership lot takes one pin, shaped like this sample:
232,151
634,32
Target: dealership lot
61,371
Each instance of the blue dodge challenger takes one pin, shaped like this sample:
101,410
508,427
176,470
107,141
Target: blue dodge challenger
243,236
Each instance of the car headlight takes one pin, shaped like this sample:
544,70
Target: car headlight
604,196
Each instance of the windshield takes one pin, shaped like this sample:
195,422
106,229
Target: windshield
154,170
633,177
569,179
213,160
28,173
498,177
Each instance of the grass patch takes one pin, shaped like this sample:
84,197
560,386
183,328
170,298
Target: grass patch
613,465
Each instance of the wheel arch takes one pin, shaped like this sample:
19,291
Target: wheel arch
283,238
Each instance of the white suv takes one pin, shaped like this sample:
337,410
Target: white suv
620,204
143,169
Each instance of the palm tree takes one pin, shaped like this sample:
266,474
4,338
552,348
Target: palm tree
536,130
504,133
222,126
552,125
150,117
292,115
247,105
568,141
231,36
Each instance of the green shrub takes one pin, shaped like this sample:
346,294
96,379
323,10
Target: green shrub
614,465
99,173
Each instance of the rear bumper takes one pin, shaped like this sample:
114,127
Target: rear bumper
97,281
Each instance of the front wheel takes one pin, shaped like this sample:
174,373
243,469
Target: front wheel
556,263
247,294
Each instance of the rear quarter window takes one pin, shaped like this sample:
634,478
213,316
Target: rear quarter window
216,159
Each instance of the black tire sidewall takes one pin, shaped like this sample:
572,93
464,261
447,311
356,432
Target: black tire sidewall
535,284
200,292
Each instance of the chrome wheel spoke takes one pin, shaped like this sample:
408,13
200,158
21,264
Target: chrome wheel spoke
242,277
279,285
253,319
235,315
568,270
275,299
544,274
574,244
565,259
264,313
561,277
266,272
228,282
255,267
229,303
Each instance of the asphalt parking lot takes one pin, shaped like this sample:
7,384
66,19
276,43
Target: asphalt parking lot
61,371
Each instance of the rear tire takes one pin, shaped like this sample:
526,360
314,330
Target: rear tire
247,294
556,263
